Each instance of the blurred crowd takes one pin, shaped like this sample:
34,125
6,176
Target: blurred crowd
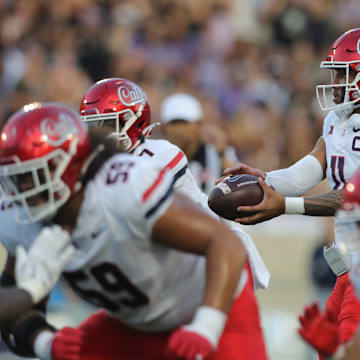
253,64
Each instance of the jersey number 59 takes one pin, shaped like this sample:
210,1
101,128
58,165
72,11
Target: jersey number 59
112,280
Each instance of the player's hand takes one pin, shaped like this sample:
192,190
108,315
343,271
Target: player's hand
242,168
272,205
38,270
321,332
188,345
67,344
198,340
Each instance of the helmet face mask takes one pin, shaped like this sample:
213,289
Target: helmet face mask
121,105
343,58
119,122
41,157
349,87
35,186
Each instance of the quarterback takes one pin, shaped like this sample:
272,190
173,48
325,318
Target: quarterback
336,155
167,275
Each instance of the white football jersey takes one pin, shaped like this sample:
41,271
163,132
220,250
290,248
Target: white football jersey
342,140
175,161
116,266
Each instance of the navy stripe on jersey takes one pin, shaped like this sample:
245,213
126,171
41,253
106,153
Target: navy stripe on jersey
180,173
162,199
177,176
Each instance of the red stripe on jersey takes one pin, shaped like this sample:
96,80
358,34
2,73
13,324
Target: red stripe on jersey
162,172
174,161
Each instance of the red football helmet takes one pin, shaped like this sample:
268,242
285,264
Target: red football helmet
344,54
43,148
125,104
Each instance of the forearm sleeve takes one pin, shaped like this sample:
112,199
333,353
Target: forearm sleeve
298,178
21,335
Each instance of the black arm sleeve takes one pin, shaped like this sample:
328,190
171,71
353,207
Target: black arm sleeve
19,335
20,339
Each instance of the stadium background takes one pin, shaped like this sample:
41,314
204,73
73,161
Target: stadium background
252,63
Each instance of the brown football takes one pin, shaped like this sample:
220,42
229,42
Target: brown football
234,191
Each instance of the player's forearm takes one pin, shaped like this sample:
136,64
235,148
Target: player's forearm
225,258
323,205
352,348
13,303
26,330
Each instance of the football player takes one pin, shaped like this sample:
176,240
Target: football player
336,155
166,275
122,106
322,332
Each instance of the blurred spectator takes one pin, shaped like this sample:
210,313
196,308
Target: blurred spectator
233,55
205,145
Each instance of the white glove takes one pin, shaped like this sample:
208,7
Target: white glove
38,270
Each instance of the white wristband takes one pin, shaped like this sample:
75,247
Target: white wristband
294,205
42,345
208,322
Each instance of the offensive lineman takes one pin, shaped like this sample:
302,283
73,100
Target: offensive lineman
121,105
150,259
336,155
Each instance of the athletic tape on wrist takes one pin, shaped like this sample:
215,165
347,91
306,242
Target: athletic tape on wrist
208,322
43,343
294,205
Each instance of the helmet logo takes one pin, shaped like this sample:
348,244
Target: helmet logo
58,131
358,46
130,97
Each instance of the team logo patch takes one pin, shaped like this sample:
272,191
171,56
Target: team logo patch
58,130
131,96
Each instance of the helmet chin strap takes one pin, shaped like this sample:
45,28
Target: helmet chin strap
345,111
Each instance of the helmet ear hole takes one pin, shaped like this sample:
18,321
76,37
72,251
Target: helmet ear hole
140,124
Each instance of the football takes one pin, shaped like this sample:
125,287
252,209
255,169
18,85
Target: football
234,191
